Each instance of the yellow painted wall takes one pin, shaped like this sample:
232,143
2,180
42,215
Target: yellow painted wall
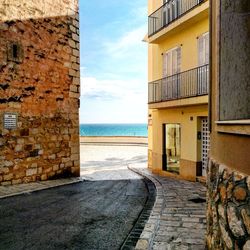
150,141
187,39
184,34
153,5
189,129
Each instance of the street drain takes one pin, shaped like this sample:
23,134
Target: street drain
198,200
134,235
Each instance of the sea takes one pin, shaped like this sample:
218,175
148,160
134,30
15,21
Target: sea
113,130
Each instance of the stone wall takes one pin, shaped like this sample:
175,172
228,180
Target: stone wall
40,85
228,211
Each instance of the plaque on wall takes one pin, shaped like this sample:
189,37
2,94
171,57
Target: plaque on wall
10,120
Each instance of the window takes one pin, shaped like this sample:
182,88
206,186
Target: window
15,52
171,11
172,62
203,49
203,59
171,68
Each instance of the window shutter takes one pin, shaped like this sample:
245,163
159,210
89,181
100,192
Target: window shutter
207,48
201,50
178,50
164,64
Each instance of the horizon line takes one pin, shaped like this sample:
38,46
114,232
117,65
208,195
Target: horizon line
113,123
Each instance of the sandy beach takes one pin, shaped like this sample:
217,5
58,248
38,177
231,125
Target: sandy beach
112,154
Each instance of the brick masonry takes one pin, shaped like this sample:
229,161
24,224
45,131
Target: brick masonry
40,83
228,212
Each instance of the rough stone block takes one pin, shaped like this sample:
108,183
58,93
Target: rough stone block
142,244
76,52
8,177
72,28
72,43
245,213
75,150
240,193
247,245
75,37
74,95
8,163
76,23
18,181
55,167
31,171
73,88
44,177
75,66
72,72
69,164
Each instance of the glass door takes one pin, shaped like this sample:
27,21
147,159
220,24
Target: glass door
171,147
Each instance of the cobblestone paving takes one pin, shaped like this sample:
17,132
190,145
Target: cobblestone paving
176,223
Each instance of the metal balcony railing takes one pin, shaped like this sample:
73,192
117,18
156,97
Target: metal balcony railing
190,83
169,12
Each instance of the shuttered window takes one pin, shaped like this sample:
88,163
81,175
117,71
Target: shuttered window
172,62
203,49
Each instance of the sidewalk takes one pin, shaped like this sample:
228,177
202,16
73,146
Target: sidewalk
176,222
7,191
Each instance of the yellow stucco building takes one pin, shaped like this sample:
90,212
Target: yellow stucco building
178,76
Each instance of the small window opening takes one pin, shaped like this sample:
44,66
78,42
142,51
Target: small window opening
15,51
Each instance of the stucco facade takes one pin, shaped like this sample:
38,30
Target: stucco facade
174,92
39,90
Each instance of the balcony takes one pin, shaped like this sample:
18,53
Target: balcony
190,83
168,13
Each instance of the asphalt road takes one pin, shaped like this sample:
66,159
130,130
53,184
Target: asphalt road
88,215
95,214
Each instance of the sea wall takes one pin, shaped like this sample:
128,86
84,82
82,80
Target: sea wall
39,90
228,208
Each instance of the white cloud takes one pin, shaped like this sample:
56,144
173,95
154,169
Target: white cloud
129,42
109,89
117,101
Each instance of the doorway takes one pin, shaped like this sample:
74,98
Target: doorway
171,147
205,142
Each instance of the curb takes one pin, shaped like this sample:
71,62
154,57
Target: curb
138,227
145,241
38,186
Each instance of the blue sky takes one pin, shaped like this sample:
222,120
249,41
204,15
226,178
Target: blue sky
113,61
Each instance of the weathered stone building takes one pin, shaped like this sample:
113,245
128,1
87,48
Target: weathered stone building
39,90
228,213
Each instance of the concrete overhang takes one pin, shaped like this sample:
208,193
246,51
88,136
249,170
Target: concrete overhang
191,101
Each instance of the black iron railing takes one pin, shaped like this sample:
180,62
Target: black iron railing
189,83
169,12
